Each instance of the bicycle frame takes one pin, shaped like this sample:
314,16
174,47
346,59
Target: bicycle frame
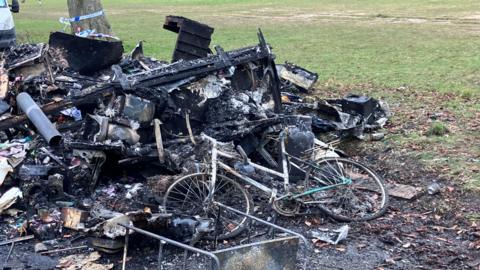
286,159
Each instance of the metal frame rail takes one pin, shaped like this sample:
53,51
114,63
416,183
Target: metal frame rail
216,262
163,241
304,240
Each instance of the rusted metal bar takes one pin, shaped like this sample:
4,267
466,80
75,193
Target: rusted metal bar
62,249
9,252
18,239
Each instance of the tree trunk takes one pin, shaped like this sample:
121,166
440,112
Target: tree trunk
86,7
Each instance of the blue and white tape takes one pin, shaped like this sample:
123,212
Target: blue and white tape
81,18
88,32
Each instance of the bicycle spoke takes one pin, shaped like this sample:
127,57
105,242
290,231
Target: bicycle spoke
360,196
190,190
197,186
185,195
188,195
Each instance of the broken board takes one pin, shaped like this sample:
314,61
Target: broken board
404,191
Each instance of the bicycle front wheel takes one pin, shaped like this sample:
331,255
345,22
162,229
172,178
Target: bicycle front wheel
346,190
188,196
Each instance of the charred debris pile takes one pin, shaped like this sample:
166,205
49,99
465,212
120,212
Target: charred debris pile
89,135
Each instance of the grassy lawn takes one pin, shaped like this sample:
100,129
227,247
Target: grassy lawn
421,55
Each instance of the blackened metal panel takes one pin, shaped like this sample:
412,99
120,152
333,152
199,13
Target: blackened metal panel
193,38
86,55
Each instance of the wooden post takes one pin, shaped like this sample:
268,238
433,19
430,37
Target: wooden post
86,7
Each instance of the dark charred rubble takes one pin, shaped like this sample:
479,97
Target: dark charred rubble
90,136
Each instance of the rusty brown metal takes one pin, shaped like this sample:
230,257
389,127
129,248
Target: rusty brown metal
274,254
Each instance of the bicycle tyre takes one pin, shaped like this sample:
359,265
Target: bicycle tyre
227,192
350,202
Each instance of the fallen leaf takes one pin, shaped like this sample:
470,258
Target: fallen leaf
321,244
390,261
231,227
360,246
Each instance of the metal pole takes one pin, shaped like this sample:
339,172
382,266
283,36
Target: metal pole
38,118
160,254
250,223
217,225
125,249
286,183
185,255
274,220
213,181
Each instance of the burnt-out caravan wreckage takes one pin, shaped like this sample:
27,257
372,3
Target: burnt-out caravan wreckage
98,148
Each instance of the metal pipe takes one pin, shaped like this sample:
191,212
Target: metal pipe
245,178
217,225
185,256
125,249
270,171
160,254
213,180
172,242
286,182
39,119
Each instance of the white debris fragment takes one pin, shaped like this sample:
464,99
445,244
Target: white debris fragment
331,236
111,229
5,168
9,198
133,190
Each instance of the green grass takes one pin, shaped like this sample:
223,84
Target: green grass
404,51
437,129
369,41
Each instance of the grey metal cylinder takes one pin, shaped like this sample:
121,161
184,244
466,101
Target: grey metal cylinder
39,119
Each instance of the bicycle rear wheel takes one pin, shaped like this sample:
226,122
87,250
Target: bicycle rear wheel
188,196
350,190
